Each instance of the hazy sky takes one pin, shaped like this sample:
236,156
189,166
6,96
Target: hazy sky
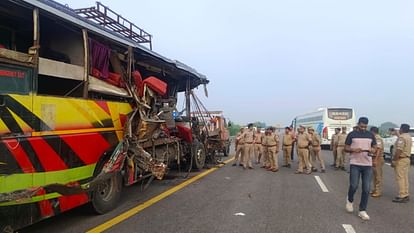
272,60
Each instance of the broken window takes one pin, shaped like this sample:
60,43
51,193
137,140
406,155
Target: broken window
61,62
16,27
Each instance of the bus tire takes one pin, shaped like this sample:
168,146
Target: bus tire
107,194
199,156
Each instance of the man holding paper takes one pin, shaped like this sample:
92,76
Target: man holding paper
361,144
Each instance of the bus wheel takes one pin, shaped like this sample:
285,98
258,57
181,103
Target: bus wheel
199,156
107,194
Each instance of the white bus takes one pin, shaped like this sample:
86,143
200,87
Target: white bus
325,120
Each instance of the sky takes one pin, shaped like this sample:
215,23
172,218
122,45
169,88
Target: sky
270,60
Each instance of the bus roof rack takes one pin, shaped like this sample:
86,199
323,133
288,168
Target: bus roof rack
113,21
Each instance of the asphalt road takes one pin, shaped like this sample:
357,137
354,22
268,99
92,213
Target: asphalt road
235,200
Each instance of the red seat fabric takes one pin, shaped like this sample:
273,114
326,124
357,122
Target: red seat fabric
156,85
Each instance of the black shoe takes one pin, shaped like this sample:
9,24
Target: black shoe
241,165
314,169
401,200
323,171
234,165
250,167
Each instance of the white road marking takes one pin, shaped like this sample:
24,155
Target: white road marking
348,228
239,214
389,164
227,178
321,184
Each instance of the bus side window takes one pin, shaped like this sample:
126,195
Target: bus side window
61,62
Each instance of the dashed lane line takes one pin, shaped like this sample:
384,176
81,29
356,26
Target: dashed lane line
321,184
348,228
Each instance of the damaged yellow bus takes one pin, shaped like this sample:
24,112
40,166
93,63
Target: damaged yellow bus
67,87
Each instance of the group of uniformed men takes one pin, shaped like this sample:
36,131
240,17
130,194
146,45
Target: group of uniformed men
253,145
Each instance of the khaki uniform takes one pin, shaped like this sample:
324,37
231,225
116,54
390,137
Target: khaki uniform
258,149
272,144
315,151
266,162
334,144
248,147
288,141
402,165
377,170
303,141
340,150
239,148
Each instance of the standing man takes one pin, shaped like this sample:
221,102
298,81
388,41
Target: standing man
340,150
272,144
258,150
334,142
266,162
401,163
292,131
377,164
303,142
288,141
360,144
249,137
239,148
315,150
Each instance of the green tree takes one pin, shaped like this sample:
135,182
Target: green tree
234,128
259,124
384,127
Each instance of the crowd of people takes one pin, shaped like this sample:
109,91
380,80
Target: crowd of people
363,148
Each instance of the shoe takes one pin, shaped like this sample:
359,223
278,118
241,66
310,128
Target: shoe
349,206
250,167
401,200
234,165
323,171
375,194
285,166
298,172
241,165
308,173
364,215
314,170
288,166
371,192
263,167
275,170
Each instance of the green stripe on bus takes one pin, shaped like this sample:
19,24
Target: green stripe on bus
23,181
